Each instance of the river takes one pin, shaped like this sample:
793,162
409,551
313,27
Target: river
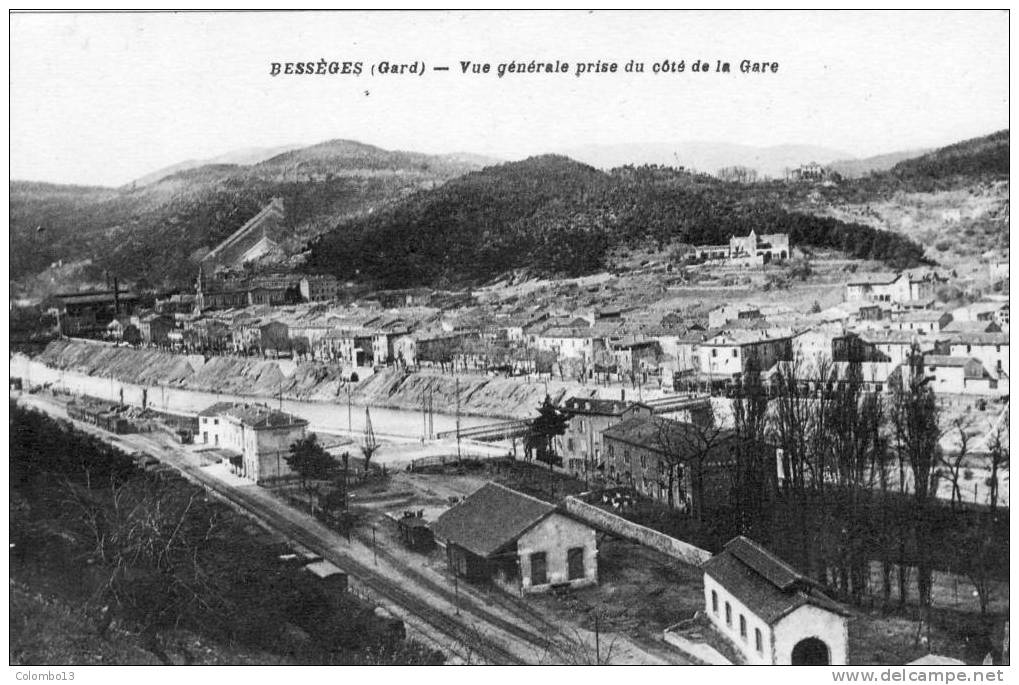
322,416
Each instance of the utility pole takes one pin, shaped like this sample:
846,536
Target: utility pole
456,591
350,425
375,555
458,456
431,413
597,643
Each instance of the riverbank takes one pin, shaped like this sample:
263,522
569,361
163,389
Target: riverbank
496,397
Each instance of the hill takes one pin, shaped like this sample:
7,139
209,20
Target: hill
953,200
158,231
554,216
856,168
705,157
252,155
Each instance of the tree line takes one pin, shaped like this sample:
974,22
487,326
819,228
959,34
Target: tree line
157,554
556,217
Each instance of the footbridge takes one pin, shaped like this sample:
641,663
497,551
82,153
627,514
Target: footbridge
673,403
491,432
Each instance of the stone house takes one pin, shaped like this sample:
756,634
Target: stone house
517,541
581,445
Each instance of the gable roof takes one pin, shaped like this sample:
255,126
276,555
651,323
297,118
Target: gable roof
972,327
978,339
254,415
491,518
660,434
766,584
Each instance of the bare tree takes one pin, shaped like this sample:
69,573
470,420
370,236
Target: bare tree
953,464
751,468
915,419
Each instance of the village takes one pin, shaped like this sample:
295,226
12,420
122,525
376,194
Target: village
619,429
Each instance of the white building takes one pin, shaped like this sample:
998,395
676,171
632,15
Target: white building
903,288
990,348
258,437
772,614
959,375
755,250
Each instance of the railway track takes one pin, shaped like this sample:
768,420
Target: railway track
550,642
490,650
471,641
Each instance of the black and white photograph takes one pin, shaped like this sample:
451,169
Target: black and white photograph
495,338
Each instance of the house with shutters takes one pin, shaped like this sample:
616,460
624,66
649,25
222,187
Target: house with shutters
640,451
255,437
770,612
581,445
517,541
990,348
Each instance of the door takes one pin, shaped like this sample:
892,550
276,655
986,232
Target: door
539,569
575,563
810,652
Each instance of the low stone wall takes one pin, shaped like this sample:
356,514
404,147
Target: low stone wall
599,518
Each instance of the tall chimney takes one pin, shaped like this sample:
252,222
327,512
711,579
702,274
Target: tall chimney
116,296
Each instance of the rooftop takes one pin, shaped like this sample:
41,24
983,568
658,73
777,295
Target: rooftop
964,338
254,415
766,584
945,360
661,434
490,519
972,327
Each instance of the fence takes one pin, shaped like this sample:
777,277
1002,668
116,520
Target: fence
599,518
450,459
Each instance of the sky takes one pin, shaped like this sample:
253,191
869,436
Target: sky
102,99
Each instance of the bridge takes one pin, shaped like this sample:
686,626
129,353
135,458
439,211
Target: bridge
666,405
491,432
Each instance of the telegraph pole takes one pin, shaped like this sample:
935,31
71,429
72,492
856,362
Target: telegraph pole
458,455
456,591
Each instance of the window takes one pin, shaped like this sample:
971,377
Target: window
714,353
758,642
743,626
643,461
205,419
539,569
728,614
575,563
215,422
714,602
735,353
569,444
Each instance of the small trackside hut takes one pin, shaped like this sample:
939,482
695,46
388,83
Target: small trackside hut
517,541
